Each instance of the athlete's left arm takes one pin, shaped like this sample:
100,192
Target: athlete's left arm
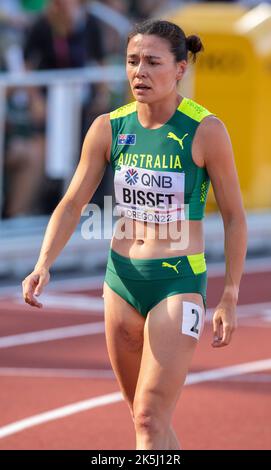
219,160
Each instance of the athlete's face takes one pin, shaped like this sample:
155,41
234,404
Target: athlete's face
151,68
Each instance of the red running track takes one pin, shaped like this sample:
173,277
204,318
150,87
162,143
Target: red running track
229,411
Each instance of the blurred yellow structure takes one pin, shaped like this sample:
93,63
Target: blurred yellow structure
232,78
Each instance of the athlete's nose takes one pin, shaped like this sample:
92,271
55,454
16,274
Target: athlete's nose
141,70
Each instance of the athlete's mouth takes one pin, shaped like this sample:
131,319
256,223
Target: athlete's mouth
142,87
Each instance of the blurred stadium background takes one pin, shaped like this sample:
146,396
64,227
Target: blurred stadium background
62,64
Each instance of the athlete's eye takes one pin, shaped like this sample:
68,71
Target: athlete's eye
132,62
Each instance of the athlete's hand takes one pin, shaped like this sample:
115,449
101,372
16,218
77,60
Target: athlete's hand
33,286
224,323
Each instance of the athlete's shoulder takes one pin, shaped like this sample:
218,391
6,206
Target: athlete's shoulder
123,111
194,110
99,130
101,123
214,139
214,133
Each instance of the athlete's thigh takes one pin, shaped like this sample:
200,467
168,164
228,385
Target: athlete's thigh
124,329
168,350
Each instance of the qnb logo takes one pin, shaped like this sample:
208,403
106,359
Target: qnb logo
131,176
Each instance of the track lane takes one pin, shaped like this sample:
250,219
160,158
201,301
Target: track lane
220,414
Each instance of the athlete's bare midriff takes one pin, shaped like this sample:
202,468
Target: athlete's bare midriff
153,241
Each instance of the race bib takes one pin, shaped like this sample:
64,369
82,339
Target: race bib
193,319
147,195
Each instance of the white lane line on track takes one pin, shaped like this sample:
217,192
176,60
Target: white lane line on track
52,334
103,374
95,282
59,413
63,285
68,301
230,371
193,378
251,378
260,265
95,305
61,373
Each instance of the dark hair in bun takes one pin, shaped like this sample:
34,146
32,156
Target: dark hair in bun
194,45
180,45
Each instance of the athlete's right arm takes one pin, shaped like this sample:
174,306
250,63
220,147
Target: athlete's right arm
94,159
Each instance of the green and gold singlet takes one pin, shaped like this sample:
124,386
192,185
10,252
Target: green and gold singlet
155,177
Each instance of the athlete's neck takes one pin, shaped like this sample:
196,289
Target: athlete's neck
154,115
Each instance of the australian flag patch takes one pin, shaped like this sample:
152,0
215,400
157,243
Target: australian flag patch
126,139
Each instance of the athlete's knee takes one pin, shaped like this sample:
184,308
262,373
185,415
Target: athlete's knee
148,421
150,418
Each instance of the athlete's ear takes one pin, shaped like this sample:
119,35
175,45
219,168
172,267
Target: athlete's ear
181,68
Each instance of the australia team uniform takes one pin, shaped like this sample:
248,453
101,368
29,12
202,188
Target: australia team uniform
157,181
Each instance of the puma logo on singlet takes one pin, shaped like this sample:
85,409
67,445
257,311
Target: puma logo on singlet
173,136
165,264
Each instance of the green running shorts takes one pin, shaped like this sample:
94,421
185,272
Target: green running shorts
143,283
